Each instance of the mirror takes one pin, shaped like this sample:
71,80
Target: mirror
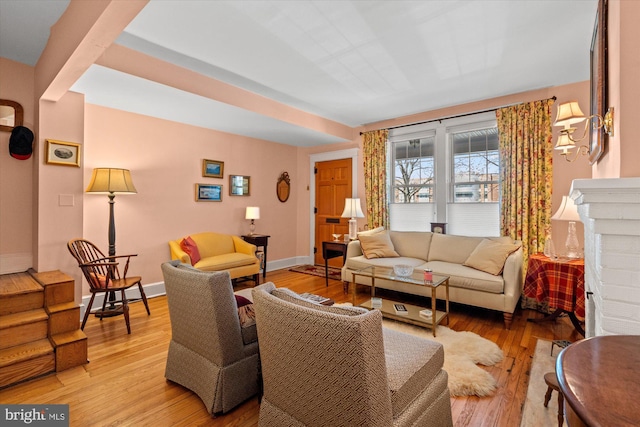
239,185
11,115
283,187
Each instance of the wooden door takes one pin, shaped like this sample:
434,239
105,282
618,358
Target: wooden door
333,185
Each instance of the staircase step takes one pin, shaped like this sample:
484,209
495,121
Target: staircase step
59,287
26,361
21,328
63,317
71,349
19,292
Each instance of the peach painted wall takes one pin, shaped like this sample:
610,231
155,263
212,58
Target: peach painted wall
165,159
623,149
16,176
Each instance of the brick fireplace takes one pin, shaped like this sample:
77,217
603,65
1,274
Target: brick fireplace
610,212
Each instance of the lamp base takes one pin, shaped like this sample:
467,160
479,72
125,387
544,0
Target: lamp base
252,228
572,245
353,229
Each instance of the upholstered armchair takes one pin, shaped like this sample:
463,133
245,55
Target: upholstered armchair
210,352
337,366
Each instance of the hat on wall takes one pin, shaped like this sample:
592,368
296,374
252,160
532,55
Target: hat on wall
21,143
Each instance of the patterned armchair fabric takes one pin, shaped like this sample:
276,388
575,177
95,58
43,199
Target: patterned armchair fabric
207,353
337,366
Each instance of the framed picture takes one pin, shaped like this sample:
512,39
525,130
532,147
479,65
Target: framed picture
239,185
598,81
212,168
62,153
208,193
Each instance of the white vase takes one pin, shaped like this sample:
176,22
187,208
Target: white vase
549,248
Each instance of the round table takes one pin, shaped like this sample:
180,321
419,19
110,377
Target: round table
600,381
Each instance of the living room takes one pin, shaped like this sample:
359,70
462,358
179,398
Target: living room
165,161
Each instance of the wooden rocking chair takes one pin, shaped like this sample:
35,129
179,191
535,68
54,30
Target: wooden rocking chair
104,276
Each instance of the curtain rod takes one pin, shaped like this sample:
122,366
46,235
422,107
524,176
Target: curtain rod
455,117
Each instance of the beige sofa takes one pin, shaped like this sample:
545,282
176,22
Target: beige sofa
499,289
339,367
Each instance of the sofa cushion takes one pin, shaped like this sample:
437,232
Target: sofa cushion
490,255
412,363
467,277
189,246
225,261
360,262
450,248
212,244
412,244
378,245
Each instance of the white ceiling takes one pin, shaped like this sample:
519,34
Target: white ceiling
354,62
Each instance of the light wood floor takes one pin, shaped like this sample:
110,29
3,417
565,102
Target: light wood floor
124,382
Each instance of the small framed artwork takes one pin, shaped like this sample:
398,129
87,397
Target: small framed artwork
62,153
212,168
239,185
208,193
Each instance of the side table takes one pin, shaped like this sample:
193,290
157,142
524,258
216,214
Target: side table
261,241
561,283
333,249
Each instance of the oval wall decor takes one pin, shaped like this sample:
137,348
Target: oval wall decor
283,187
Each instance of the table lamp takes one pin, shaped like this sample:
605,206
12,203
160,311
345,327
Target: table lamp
352,210
252,213
569,212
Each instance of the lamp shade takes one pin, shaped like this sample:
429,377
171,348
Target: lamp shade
564,143
568,114
567,211
111,180
352,209
252,212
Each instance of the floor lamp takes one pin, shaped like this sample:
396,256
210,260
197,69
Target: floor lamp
111,181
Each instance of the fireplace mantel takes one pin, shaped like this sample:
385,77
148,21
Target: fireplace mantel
610,211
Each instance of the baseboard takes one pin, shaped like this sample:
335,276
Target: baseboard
151,290
288,262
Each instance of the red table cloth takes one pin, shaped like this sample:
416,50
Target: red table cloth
559,282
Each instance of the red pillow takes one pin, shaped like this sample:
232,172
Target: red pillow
189,246
242,301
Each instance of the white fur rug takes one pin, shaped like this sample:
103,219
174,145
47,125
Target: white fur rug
463,351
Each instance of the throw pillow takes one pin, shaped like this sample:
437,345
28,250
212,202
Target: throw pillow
378,245
242,301
247,315
189,246
490,255
370,232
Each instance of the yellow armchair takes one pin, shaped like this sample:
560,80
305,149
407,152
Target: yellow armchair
220,252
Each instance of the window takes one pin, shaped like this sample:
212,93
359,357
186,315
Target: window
476,166
414,171
446,171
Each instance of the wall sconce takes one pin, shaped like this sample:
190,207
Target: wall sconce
353,210
252,213
568,114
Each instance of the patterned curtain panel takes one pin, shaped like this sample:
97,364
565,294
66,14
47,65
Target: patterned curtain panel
374,145
526,149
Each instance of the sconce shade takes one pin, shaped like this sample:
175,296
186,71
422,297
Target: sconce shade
568,114
567,211
564,143
352,209
111,180
252,212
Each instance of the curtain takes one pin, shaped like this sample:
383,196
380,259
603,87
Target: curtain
374,144
527,174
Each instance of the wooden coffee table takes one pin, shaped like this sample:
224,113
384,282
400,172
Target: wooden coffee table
387,306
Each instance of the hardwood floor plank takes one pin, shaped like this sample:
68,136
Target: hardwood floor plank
124,382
